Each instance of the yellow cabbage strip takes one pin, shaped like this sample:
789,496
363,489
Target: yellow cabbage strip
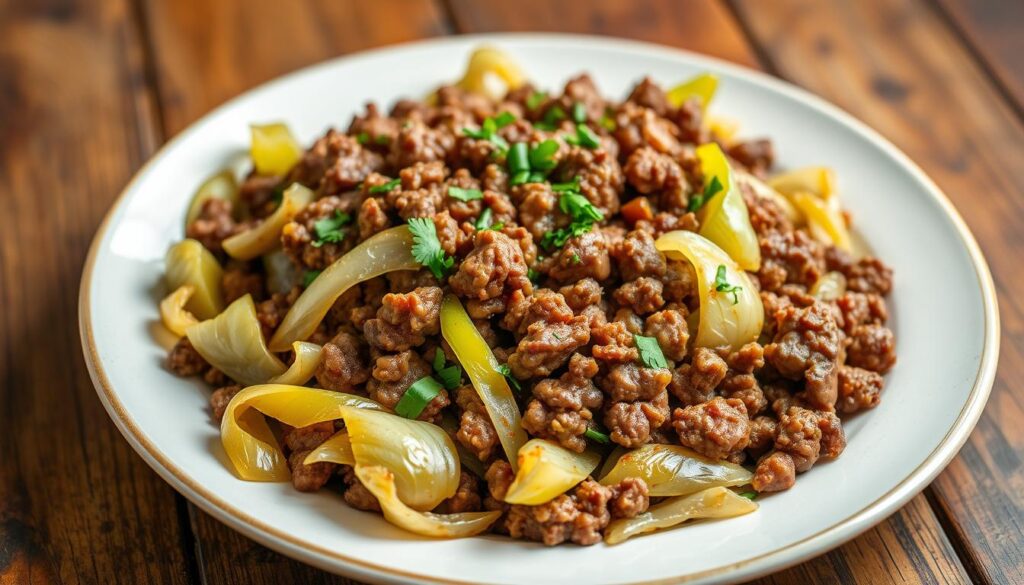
337,449
172,310
547,470
482,368
824,222
420,455
233,343
386,251
247,439
274,150
724,218
189,263
818,181
220,186
829,287
307,358
381,484
702,87
716,502
489,61
673,470
730,307
761,189
266,236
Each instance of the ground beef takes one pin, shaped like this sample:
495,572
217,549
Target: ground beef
416,142
694,383
775,472
220,398
718,429
260,194
643,295
582,294
356,494
601,179
756,155
680,283
649,95
378,129
613,343
635,256
343,364
404,320
213,225
763,431
790,257
393,374
301,242
689,118
309,478
499,477
861,309
563,408
653,173
547,346
637,126
495,266
833,438
307,438
872,347
476,432
867,275
184,360
637,402
799,436
543,305
240,279
859,389
584,256
466,498
271,312
670,329
806,346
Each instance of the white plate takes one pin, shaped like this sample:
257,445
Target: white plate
943,306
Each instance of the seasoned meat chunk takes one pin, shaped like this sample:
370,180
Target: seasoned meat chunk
859,389
466,498
799,436
496,266
476,432
718,429
867,275
653,173
356,494
307,438
184,360
417,142
649,95
213,225
309,478
775,472
635,256
392,376
220,399
547,346
872,347
303,243
404,320
240,279
756,155
584,256
343,364
790,257
694,383
806,346
543,305
670,329
601,179
348,164
563,408
637,402
763,431
861,309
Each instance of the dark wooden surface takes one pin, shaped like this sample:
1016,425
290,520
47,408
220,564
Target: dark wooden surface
89,89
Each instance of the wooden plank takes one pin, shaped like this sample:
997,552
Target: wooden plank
993,30
895,66
207,52
76,504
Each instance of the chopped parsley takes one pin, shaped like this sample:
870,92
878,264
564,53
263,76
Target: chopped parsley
650,352
417,397
573,185
576,258
535,99
465,194
582,212
484,221
489,130
558,238
362,138
579,113
710,190
722,285
426,248
329,229
584,137
504,370
309,276
749,495
450,376
597,436
386,186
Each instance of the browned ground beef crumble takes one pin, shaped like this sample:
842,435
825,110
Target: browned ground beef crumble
563,319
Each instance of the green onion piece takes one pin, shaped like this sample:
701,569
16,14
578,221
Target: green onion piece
573,185
464,194
439,360
698,201
607,122
533,275
586,136
535,99
553,116
417,397
519,178
386,186
597,436
504,119
749,495
650,352
518,158
542,156
484,221
362,138
579,113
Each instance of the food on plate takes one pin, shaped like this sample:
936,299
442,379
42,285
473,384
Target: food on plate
544,314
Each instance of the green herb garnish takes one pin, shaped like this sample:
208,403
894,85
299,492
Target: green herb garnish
650,352
579,113
450,376
386,187
607,122
533,275
504,370
309,276
362,138
710,190
329,229
749,495
584,137
489,130
597,436
465,194
576,258
573,185
722,285
528,164
484,221
426,248
535,99
578,207
382,140
417,397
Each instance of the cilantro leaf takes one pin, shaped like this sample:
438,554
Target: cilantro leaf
386,186
426,248
329,229
535,99
489,128
504,370
484,221
465,194
722,285
650,352
710,190
578,207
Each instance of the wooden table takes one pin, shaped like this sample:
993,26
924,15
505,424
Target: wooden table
90,89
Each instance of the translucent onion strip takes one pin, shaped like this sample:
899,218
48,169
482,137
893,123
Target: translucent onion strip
188,262
381,484
818,181
716,502
421,455
482,368
547,470
172,310
702,87
273,149
487,62
723,319
220,186
386,251
829,287
247,439
266,235
673,470
307,358
824,222
233,343
337,449
724,218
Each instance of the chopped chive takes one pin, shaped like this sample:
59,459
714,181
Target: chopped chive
749,495
439,360
484,221
362,138
386,187
535,99
504,119
597,436
417,397
579,113
519,158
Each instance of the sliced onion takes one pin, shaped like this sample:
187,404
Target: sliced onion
702,87
673,470
824,222
337,449
482,368
282,273
188,262
489,62
387,251
307,358
266,235
612,459
722,321
818,181
220,186
420,455
547,470
172,310
724,218
247,439
722,128
274,150
829,287
761,189
233,343
381,483
716,502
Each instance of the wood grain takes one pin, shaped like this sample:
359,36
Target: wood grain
895,66
76,504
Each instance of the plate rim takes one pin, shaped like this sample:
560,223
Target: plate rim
818,543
